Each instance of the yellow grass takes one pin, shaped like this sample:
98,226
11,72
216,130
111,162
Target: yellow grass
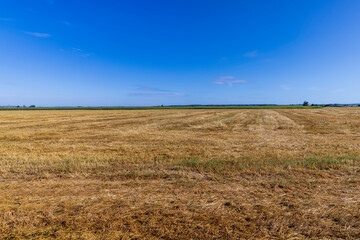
180,174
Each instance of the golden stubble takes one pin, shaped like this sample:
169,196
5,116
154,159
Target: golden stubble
180,174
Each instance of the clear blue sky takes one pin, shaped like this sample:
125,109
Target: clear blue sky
139,53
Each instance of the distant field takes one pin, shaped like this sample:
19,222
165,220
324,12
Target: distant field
266,173
155,108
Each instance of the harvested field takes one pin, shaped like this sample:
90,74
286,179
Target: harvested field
180,174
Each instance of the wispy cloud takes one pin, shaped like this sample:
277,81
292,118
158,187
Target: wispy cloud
81,52
314,89
157,94
145,91
6,83
338,90
285,87
228,80
66,23
251,54
151,89
40,35
6,19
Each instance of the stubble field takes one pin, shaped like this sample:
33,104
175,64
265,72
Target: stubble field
180,174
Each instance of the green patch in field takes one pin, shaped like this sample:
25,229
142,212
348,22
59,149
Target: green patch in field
211,164
269,164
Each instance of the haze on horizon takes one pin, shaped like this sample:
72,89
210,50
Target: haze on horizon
144,53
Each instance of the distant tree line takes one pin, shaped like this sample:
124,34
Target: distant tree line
32,106
306,103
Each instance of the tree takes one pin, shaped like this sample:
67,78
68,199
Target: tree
306,103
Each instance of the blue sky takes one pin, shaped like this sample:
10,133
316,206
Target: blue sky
142,53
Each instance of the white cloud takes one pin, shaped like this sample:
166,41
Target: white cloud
151,89
7,19
228,80
251,54
66,23
81,53
40,35
157,94
338,90
314,89
285,87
